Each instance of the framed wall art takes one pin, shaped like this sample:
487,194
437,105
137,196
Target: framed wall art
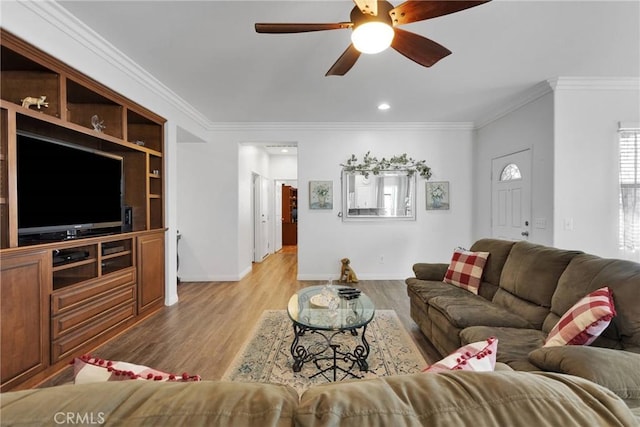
437,195
320,194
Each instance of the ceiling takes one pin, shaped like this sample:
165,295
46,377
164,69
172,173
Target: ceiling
208,53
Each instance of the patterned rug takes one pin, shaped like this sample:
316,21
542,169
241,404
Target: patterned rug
266,356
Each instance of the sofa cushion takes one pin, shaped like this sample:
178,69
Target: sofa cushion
478,357
150,403
499,250
585,321
427,289
586,273
534,313
462,398
465,269
471,310
530,276
617,370
515,343
430,271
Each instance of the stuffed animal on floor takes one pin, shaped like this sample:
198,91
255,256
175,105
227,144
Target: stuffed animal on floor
347,275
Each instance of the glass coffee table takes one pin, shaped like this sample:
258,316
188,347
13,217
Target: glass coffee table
311,310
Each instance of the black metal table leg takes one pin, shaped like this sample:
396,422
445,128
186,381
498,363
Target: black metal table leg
361,352
299,352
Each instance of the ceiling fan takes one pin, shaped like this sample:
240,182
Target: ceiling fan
374,25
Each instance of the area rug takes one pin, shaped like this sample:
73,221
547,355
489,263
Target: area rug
266,355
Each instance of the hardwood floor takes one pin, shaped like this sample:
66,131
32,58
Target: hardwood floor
202,333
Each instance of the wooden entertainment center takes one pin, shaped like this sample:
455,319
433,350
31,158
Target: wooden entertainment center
61,299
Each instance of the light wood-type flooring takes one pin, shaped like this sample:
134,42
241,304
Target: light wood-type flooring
202,333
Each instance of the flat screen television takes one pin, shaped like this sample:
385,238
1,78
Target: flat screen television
66,188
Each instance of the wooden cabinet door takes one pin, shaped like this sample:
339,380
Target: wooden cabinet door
150,252
25,284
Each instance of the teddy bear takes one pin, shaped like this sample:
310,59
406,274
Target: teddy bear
347,275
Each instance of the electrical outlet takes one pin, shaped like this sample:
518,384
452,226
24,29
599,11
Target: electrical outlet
568,224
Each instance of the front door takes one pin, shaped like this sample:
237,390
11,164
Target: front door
511,196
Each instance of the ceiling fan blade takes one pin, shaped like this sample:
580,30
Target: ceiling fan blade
345,62
417,48
299,28
368,7
419,10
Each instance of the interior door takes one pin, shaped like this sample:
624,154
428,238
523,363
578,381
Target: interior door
265,193
277,223
260,218
511,196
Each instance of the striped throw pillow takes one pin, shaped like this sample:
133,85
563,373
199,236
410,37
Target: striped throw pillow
478,357
90,369
585,321
465,269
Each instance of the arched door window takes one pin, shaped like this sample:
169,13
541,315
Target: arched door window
510,172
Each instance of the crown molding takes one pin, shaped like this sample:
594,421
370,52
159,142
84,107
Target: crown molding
526,97
341,126
63,20
558,84
595,83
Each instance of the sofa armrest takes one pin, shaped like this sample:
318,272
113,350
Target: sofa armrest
616,370
430,271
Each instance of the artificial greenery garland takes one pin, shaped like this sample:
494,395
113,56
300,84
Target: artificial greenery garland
373,165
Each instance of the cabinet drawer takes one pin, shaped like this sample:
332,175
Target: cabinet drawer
64,346
65,300
70,320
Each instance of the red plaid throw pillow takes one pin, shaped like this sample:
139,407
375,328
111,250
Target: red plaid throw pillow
465,269
585,321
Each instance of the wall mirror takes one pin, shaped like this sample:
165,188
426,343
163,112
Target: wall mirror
386,195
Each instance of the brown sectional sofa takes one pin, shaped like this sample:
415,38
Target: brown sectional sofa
478,399
524,291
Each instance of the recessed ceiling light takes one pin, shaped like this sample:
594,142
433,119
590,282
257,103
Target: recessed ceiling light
284,150
384,106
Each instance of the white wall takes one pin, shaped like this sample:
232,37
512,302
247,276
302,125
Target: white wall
284,168
323,238
208,196
383,249
530,126
586,167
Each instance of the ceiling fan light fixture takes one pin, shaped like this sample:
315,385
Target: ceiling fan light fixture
372,37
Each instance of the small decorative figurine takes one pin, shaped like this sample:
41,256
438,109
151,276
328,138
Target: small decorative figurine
98,125
347,275
32,100
140,143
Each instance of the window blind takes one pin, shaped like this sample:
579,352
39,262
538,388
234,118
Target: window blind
629,201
